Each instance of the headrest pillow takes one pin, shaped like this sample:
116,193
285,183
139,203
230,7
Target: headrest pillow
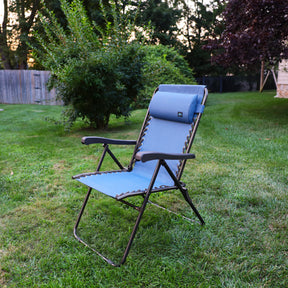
179,107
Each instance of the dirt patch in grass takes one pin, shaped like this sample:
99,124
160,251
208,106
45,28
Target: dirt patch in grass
2,277
60,166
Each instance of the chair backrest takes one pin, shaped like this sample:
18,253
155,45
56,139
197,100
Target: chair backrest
169,125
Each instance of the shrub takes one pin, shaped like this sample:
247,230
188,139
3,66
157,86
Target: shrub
101,72
96,73
105,83
163,65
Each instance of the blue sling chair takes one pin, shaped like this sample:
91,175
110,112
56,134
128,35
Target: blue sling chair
159,156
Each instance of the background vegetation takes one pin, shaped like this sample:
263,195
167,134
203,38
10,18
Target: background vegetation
106,56
238,181
255,31
98,72
185,25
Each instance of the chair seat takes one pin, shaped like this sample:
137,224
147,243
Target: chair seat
127,183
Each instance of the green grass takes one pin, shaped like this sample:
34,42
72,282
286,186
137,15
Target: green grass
238,181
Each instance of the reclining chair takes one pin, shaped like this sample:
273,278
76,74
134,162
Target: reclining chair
159,156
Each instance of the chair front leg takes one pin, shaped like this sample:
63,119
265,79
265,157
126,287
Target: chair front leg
80,216
141,211
132,236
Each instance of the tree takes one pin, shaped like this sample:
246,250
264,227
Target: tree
95,76
200,22
162,65
26,12
4,46
14,32
163,18
20,19
255,31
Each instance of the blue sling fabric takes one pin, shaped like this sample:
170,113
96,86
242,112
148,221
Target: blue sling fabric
171,113
161,136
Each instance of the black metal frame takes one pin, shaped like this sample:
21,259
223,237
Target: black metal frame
141,156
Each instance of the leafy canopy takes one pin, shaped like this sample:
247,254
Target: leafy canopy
255,31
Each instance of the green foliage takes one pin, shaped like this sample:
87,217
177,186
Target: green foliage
15,29
163,17
200,23
105,83
98,72
96,75
163,65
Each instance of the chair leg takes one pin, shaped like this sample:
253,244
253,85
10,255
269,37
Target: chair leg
141,211
183,191
132,236
145,201
170,211
81,213
80,239
135,229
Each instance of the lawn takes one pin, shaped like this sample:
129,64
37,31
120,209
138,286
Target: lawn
238,182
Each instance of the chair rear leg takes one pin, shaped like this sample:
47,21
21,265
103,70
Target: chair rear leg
184,192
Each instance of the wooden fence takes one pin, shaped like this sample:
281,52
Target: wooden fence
26,87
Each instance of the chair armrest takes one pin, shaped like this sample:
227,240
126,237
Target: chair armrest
147,156
94,140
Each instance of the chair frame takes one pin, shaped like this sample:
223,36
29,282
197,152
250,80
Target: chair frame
144,157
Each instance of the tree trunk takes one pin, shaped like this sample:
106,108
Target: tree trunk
4,52
4,49
101,123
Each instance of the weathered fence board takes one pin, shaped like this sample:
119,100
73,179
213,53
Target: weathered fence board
26,87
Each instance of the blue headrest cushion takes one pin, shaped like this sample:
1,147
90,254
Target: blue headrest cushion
171,106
